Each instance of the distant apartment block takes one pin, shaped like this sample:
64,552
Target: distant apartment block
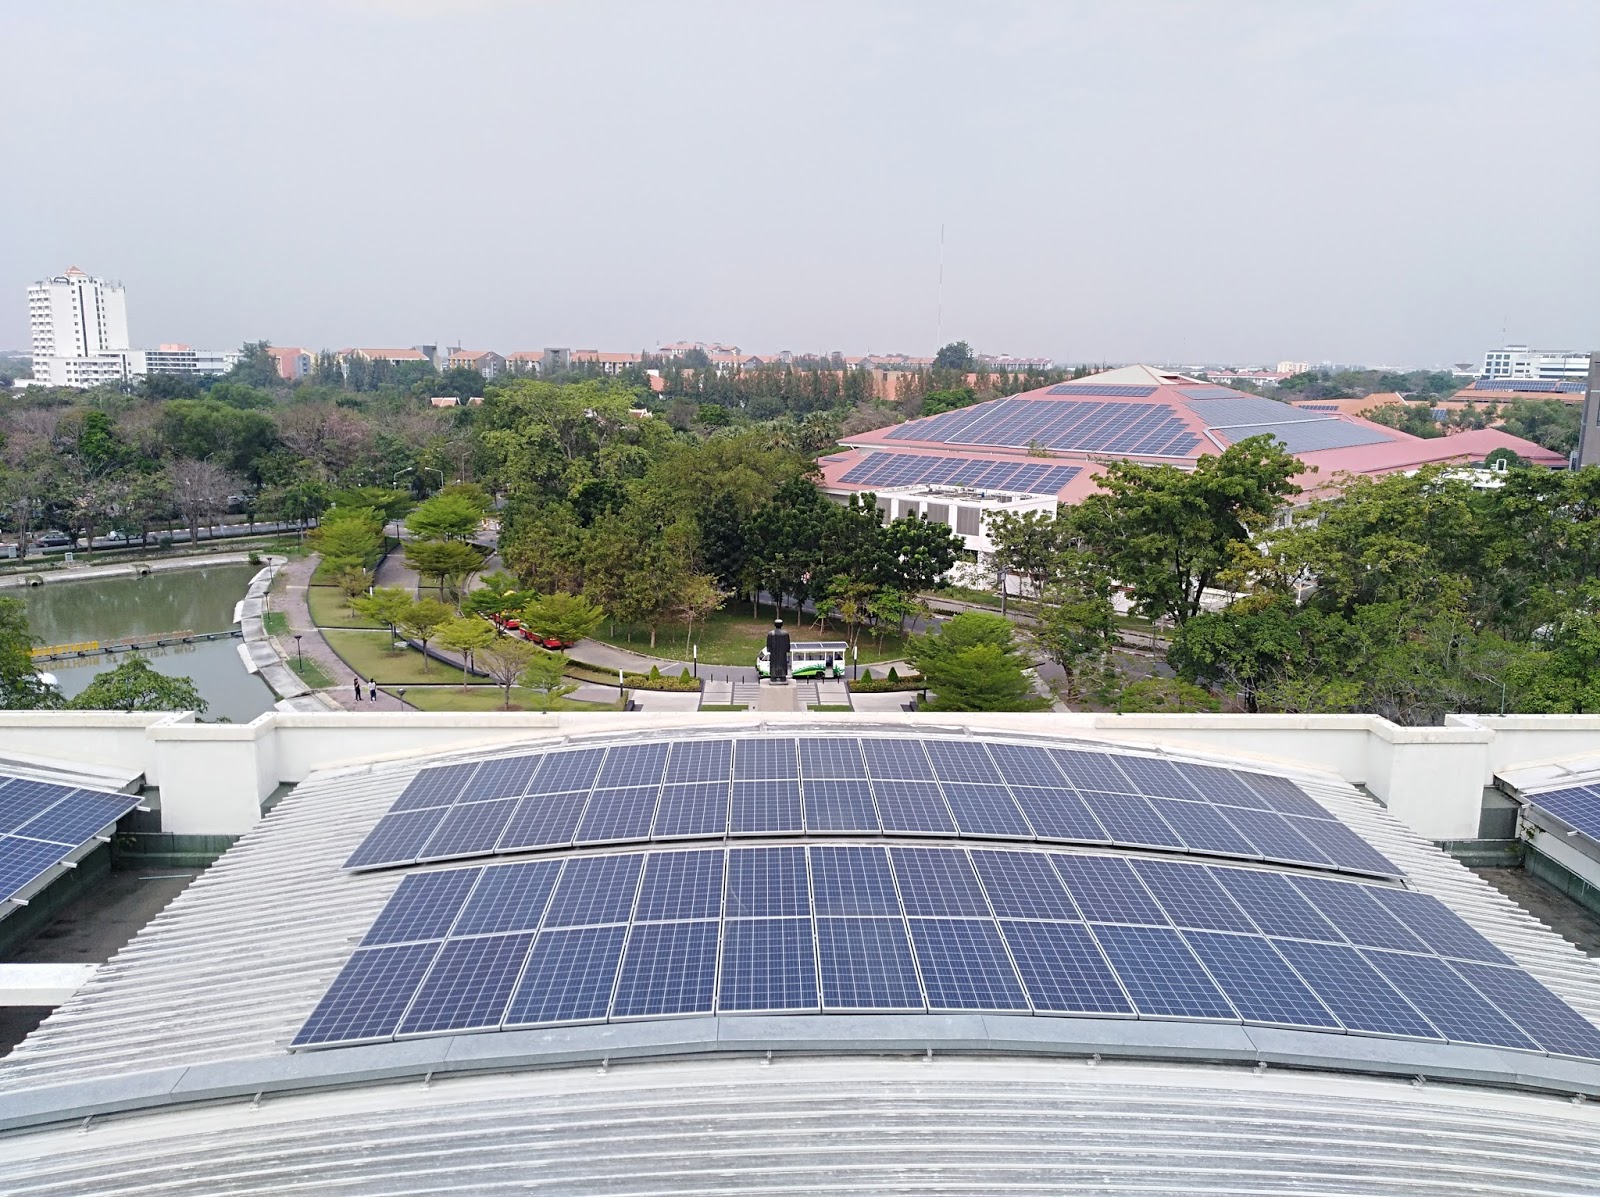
1290,368
1518,361
609,363
392,356
185,359
485,361
293,363
525,361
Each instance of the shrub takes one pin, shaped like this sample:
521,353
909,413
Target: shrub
885,686
655,673
894,674
685,677
866,675
654,681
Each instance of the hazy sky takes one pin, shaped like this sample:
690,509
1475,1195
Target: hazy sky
1393,181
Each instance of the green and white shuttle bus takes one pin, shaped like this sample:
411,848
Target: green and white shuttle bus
809,658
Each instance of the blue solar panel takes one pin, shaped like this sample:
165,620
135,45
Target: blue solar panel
830,757
1275,837
760,759
542,821
1023,765
896,760
1107,890
1023,885
1222,786
469,985
1541,1015
680,886
368,997
397,838
961,761
936,881
1201,828
24,861
1130,819
913,806
632,765
77,818
1577,806
765,807
434,787
617,816
692,810
1283,796
1361,919
1092,771
1157,779
1117,389
866,964
1275,906
569,977
508,898
1161,974
985,811
1059,814
565,771
669,968
1063,969
594,889
424,906
767,883
1256,980
699,760
468,829
853,881
1431,921
768,964
1453,1006
1191,897
506,777
1356,992
882,470
1343,847
840,806
964,965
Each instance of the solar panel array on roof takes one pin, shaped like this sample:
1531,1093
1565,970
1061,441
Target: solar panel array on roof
910,469
966,788
1301,429
1311,438
1235,409
42,823
857,928
1530,385
1209,392
1148,429
1576,806
1116,390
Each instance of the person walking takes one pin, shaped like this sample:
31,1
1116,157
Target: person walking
372,691
358,687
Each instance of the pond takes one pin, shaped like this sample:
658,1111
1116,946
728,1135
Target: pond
193,600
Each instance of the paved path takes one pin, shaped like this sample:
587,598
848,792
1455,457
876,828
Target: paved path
289,597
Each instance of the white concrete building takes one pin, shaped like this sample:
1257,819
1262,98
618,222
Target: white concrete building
76,315
1518,361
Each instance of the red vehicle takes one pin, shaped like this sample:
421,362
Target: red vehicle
551,642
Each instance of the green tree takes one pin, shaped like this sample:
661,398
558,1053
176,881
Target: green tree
1160,695
568,618
352,580
972,664
20,687
498,597
451,562
1028,544
256,367
1170,535
466,636
1077,630
545,678
349,536
957,355
422,619
918,552
505,660
445,517
134,686
386,605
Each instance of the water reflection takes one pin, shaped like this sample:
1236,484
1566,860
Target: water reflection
195,600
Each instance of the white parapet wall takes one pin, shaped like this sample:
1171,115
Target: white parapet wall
212,777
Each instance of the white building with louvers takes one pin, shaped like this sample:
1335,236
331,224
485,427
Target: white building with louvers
1518,361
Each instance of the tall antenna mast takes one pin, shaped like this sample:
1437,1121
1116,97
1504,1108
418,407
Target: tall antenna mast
939,342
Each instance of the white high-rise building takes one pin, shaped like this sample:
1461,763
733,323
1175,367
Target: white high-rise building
1518,361
75,315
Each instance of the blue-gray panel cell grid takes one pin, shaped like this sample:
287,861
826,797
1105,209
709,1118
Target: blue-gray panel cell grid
469,985
543,821
632,765
469,828
617,816
1577,806
1222,786
566,771
397,838
1093,771
1275,837
692,810
569,977
508,898
840,806
1023,765
1157,779
1059,814
830,757
962,761
593,890
1244,411
369,996
1023,885
768,964
882,470
679,886
982,810
23,861
1356,992
1161,974
1462,1013
913,806
865,964
767,883
1191,897
1116,389
434,787
77,818
699,761
1283,796
1130,819
989,929
424,907
507,777
964,965
1202,828
852,881
668,968
765,807
1261,986
1343,846
1063,969
936,881
758,759
1312,438
896,760
1107,890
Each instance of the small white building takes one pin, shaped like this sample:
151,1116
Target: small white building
1518,361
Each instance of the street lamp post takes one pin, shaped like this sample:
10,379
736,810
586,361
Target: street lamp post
696,662
300,654
855,661
401,691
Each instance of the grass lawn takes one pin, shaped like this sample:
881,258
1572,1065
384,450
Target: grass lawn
311,673
275,622
966,594
328,609
490,698
830,706
735,639
370,654
723,706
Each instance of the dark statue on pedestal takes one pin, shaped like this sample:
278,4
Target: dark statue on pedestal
778,652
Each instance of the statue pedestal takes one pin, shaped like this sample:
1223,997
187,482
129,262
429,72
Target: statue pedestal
776,696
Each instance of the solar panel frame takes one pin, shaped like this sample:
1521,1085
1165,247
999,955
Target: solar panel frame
1063,969
852,881
693,761
1023,885
423,906
435,786
667,969
1107,890
77,818
840,805
366,1001
1356,915
766,807
396,838
768,883
1556,1027
769,966
543,821
1162,977
1191,897
593,890
505,777
913,808
680,886
887,978
1130,819
24,861
1359,996
616,816
985,811
964,965
1452,1005
936,882
692,811
1059,814
468,985
508,898
469,829
1258,982
569,978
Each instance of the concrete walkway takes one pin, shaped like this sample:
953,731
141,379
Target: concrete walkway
290,598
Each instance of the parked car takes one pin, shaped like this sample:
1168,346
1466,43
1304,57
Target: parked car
111,540
554,644
52,538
